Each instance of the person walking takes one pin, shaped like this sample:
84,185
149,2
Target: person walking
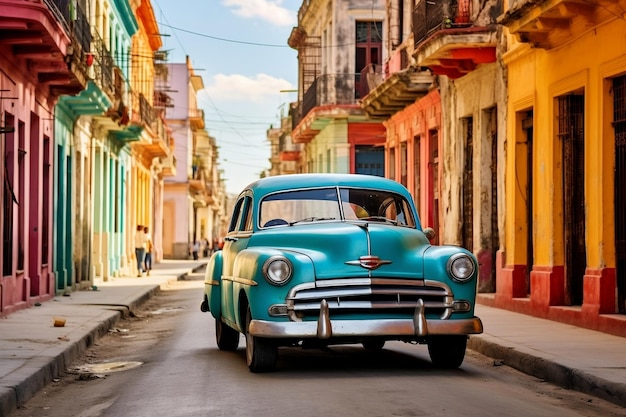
148,257
140,249
195,248
205,247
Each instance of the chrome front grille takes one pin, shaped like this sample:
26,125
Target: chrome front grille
370,296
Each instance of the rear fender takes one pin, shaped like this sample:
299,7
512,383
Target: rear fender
212,284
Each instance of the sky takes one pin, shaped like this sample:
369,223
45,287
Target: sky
239,48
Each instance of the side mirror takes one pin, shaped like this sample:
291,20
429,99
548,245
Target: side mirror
429,232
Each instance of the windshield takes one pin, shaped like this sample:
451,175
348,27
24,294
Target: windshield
292,207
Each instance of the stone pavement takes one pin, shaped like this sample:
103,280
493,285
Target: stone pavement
33,351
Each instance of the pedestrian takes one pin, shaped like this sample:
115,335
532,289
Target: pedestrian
205,247
140,249
195,248
148,257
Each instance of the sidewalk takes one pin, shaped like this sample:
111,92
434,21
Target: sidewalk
571,357
33,351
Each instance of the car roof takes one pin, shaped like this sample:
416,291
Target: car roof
289,181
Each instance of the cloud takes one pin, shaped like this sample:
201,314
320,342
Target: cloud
236,87
269,10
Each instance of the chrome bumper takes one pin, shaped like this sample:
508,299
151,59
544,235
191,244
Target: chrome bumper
326,328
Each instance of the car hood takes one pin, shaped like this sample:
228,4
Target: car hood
345,249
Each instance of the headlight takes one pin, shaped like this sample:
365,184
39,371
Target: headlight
277,270
460,267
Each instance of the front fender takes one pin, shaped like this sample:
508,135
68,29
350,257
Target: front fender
212,283
435,261
259,293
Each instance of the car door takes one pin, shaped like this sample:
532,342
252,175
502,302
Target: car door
236,240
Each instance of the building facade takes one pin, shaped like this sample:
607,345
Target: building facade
84,143
503,119
32,77
564,256
284,155
195,196
441,98
340,51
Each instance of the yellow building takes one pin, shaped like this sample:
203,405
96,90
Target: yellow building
564,256
153,146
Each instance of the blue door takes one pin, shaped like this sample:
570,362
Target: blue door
370,160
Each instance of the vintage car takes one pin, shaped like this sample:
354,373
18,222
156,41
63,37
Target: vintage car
313,260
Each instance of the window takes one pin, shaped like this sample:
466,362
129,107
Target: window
368,51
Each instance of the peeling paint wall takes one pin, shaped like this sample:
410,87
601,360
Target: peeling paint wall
474,98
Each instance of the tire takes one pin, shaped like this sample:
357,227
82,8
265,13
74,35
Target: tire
227,337
374,345
447,352
261,354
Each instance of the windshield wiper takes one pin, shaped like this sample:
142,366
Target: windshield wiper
312,219
380,219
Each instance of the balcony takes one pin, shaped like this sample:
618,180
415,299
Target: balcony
448,41
330,96
196,119
286,156
47,43
102,65
158,144
549,24
398,91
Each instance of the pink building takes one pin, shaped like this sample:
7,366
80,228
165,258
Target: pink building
35,68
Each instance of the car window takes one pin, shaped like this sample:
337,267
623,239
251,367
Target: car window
241,219
365,204
247,215
291,207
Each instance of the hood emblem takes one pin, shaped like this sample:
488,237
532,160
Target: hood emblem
369,262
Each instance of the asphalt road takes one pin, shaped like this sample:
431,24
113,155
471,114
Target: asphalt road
165,362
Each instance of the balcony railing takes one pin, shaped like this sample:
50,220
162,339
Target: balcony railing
103,64
82,30
73,19
119,84
371,77
330,89
431,16
61,10
146,112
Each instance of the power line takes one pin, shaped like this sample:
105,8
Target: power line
224,39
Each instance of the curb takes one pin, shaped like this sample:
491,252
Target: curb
555,373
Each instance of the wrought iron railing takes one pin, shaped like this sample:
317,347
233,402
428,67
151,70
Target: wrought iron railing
82,30
431,16
61,11
146,112
328,89
103,63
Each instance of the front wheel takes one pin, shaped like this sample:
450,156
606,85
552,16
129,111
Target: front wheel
261,354
447,352
227,337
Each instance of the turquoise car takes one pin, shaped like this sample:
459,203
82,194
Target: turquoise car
312,260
